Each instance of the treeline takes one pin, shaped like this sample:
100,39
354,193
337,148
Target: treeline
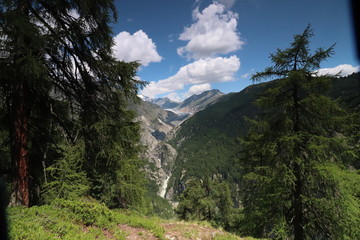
299,162
65,130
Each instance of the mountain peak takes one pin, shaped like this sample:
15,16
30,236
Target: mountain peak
165,103
192,104
200,101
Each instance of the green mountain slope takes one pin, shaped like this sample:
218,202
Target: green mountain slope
207,143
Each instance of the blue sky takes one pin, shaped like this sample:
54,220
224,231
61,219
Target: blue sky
189,46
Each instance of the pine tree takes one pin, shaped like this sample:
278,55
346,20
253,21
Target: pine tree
58,50
289,191
206,200
66,179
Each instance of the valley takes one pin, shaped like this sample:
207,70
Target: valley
202,138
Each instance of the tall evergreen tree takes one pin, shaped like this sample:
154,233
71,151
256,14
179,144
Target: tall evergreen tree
58,50
207,200
291,152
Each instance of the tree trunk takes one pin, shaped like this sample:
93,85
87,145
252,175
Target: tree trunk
19,145
297,205
19,116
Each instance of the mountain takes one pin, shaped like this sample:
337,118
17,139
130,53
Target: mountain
157,124
208,142
192,104
165,103
199,102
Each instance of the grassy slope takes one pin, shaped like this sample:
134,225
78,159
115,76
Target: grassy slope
91,220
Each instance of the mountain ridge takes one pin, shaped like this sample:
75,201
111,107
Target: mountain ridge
192,104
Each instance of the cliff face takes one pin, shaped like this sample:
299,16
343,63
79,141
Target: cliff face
158,126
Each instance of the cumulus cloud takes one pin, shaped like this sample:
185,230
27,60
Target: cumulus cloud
175,96
136,47
213,32
197,89
202,71
342,70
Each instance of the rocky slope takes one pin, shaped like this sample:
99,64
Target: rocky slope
199,102
158,125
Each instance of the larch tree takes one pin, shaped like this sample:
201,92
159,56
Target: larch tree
294,151
58,51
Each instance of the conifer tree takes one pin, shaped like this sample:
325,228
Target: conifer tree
58,50
206,200
66,179
292,151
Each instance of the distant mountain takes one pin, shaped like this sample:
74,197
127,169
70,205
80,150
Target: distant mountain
199,102
165,103
192,104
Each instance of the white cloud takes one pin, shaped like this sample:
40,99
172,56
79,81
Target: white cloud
245,75
213,32
342,70
136,47
176,97
197,89
202,71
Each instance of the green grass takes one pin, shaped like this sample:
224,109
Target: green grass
86,220
75,220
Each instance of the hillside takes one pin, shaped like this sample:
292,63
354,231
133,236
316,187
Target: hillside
90,220
208,142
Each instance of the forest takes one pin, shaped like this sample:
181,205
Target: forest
69,142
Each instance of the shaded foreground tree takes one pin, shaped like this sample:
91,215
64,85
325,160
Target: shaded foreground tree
59,51
207,200
297,155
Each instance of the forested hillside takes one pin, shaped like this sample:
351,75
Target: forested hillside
208,142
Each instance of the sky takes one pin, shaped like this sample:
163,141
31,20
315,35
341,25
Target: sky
186,47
